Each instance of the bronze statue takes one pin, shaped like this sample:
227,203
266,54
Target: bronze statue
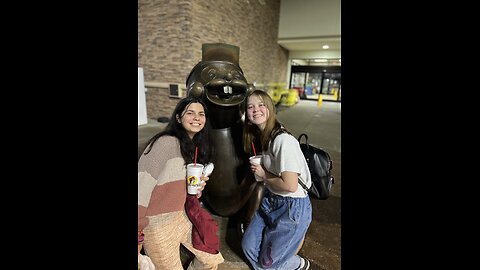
219,81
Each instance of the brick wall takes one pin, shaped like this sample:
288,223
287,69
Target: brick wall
171,33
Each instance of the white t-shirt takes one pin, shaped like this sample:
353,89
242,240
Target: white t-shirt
284,154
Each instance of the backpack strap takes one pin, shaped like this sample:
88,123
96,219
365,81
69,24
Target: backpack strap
280,131
303,185
306,146
283,130
306,139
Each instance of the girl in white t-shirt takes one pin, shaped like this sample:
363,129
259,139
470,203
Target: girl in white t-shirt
277,230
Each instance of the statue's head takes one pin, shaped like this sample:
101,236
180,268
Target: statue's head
218,77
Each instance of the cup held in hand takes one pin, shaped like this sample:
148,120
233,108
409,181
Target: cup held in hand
257,160
194,172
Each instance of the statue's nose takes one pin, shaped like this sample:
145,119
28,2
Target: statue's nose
229,77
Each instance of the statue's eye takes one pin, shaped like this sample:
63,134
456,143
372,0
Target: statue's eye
209,73
212,73
236,74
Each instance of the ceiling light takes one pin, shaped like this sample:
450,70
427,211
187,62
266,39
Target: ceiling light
320,60
325,47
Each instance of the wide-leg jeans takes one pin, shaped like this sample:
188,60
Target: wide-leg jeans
276,231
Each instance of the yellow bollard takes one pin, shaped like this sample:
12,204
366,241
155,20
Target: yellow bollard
335,94
320,99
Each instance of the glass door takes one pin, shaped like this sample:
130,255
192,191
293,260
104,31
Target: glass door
298,83
331,86
314,82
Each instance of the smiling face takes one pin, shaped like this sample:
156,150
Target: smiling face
257,111
193,119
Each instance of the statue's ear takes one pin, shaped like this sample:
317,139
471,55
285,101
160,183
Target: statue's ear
250,87
196,89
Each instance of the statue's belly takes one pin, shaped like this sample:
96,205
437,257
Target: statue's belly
231,183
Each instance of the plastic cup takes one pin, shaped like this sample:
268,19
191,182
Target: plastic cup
194,171
257,160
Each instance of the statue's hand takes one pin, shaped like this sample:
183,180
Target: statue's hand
208,169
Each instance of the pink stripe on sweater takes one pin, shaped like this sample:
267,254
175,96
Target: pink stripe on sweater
169,197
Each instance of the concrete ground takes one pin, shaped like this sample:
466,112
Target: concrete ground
322,243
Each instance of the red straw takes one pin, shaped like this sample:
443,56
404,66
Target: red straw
254,152
195,160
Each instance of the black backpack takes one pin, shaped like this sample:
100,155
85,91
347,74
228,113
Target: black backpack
320,166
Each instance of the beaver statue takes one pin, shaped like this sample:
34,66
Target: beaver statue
219,81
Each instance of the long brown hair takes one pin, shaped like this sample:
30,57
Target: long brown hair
251,133
187,145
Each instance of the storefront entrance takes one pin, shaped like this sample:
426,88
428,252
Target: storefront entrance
311,81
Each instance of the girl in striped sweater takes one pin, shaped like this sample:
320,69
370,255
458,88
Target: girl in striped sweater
162,187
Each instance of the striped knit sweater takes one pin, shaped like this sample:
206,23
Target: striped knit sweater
161,180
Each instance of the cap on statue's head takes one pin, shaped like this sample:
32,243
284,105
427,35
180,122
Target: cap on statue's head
220,52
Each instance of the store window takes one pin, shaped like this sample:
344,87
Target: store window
311,81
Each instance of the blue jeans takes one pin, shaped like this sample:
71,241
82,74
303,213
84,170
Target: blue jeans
276,231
